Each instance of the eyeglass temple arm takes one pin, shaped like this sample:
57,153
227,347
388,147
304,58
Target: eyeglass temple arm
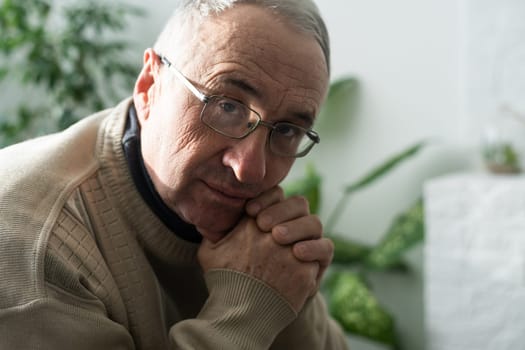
183,79
314,136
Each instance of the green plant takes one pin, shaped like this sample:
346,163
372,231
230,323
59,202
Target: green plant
65,52
351,300
501,157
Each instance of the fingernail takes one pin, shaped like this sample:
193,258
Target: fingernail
282,230
302,250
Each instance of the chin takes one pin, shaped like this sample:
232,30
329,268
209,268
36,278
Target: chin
215,233
219,226
212,236
214,222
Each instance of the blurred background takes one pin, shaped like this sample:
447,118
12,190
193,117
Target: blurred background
448,73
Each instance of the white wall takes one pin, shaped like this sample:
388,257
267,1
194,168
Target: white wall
405,55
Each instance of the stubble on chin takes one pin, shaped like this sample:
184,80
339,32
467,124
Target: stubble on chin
215,234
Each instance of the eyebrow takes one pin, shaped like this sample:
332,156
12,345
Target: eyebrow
243,85
306,117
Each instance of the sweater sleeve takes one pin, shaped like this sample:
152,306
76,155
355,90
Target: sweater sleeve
245,313
51,324
313,329
241,313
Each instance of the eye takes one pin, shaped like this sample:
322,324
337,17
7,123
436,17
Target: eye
228,106
288,130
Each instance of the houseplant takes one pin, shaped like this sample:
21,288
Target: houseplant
64,52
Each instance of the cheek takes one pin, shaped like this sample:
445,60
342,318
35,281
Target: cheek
180,151
277,170
191,136
175,128
168,135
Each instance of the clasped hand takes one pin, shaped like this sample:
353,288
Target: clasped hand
278,242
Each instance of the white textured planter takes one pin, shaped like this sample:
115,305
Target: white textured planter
475,263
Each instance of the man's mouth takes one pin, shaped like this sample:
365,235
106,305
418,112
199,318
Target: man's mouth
229,196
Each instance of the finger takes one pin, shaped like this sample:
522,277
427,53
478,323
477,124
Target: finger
264,200
320,250
300,229
283,211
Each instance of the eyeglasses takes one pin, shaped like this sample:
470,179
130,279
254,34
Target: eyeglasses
232,118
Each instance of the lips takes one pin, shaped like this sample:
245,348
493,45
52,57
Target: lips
231,194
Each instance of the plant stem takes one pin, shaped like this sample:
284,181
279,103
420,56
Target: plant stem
336,213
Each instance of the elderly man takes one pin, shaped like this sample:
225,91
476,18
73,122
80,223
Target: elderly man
159,224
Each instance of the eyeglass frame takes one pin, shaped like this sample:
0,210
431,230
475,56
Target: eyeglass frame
311,134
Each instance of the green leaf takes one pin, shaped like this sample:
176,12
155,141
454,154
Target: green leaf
369,178
358,311
348,251
308,186
341,103
340,89
405,231
384,168
76,62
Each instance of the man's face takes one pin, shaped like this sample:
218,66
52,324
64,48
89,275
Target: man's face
246,53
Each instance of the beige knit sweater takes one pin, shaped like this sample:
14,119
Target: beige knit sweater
85,264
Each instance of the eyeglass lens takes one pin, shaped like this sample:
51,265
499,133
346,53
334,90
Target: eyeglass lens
234,119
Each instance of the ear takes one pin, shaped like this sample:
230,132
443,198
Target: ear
143,92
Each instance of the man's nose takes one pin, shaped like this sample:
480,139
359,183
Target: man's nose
247,157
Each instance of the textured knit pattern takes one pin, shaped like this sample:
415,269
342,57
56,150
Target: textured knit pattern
85,264
72,243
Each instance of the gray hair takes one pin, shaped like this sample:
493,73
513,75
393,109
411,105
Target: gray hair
304,14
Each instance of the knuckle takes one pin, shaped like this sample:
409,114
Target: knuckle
302,202
331,246
279,192
328,250
316,223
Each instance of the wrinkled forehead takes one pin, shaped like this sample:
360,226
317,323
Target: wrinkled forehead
254,47
240,28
